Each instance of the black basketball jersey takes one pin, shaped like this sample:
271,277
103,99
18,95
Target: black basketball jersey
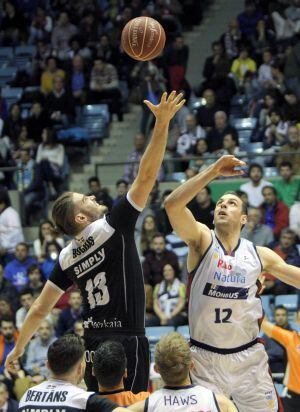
103,261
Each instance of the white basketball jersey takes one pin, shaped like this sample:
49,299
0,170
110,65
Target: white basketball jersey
187,399
224,308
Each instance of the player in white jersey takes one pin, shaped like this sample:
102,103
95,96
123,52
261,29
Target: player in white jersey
173,360
224,306
60,393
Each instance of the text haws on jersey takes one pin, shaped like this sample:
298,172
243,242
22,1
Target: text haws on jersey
225,292
47,397
178,400
96,258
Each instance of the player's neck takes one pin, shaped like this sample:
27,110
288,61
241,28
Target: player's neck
119,387
72,378
186,382
228,239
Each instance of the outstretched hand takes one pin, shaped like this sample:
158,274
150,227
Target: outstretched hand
167,107
229,165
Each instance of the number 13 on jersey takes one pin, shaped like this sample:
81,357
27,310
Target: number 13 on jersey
97,290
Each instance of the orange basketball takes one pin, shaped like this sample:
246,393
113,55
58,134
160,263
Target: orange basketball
143,38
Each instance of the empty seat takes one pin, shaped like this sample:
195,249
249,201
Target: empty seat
246,123
185,331
266,304
25,50
270,172
95,118
11,94
255,147
6,56
288,301
7,75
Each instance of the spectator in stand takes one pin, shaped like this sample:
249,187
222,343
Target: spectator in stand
255,231
51,158
46,234
176,60
288,187
23,142
255,186
287,23
275,212
276,352
269,102
131,169
105,50
206,112
291,68
51,71
248,19
31,180
8,338
78,81
290,340
190,136
11,232
242,66
8,291
6,403
200,150
72,314
265,77
41,26
292,149
230,146
295,220
36,358
216,65
275,134
231,39
13,124
148,230
121,188
101,194
26,300
89,28
6,309
104,85
16,270
78,328
110,369
37,122
53,250
61,35
278,82
35,281
169,300
221,128
156,259
12,26
202,207
60,104
291,106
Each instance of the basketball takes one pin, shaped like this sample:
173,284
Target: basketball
143,38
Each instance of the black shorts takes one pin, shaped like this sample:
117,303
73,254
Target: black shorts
138,360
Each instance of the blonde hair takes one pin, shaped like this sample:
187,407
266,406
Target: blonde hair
173,358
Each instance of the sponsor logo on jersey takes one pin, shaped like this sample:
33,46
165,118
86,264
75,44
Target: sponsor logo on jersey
271,399
225,292
228,273
93,260
90,323
89,242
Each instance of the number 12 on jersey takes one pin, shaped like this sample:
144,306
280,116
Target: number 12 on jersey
97,290
224,318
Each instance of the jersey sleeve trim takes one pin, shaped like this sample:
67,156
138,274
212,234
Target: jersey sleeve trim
133,204
146,405
216,403
261,265
54,286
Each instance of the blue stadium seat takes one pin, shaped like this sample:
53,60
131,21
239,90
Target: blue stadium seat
185,331
7,75
25,50
95,118
270,172
255,147
176,177
6,56
11,94
266,304
288,301
246,123
280,388
154,333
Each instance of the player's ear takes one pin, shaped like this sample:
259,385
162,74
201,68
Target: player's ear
80,218
244,219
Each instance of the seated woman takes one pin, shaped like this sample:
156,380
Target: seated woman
51,155
169,300
200,150
144,240
52,252
46,234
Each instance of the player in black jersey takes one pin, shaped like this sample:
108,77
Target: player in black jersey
102,260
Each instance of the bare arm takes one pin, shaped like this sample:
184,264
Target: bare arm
137,407
37,313
274,264
154,154
225,404
267,327
180,216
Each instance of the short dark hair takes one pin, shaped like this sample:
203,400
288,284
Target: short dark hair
23,244
26,291
269,187
158,234
7,318
208,189
253,166
286,163
281,307
4,197
65,353
109,363
32,268
122,181
244,206
94,179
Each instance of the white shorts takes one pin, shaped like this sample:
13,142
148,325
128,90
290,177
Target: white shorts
243,376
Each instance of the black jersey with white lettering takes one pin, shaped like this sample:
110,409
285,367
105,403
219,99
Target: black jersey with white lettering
103,261
60,396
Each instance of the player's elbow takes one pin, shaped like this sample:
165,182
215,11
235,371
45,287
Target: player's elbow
170,203
40,309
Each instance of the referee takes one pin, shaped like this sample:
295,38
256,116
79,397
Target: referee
103,261
60,393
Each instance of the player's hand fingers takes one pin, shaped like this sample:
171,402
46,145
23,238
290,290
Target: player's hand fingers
178,98
179,105
150,105
164,97
171,97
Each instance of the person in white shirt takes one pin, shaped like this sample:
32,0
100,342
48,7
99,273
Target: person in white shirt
190,136
255,186
46,234
26,300
173,361
265,77
11,232
295,218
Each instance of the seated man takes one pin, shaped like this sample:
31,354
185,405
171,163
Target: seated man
255,231
110,371
66,365
6,403
275,212
173,360
70,315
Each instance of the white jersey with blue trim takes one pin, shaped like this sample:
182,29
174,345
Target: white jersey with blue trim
188,399
224,306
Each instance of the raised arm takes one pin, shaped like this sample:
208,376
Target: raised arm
274,264
225,404
154,154
37,313
181,218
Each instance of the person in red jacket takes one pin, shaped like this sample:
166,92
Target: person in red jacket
275,212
